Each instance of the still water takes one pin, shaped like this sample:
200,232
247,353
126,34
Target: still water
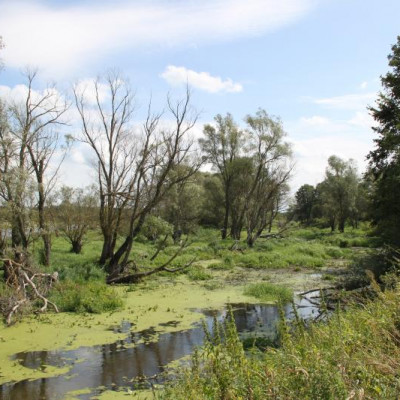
140,356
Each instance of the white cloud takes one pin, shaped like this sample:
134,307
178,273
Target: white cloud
347,102
62,38
177,76
87,89
311,156
362,119
315,120
316,138
364,85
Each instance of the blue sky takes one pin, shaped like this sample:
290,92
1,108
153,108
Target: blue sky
314,63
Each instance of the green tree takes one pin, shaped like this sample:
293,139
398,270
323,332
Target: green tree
212,210
338,192
305,202
385,158
76,214
222,145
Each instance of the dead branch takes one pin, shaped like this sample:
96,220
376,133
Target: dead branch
26,286
159,248
137,276
317,290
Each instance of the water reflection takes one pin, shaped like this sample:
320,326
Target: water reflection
138,355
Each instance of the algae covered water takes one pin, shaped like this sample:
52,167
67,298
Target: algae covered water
140,359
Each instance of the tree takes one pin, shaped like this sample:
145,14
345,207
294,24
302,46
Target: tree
222,145
212,210
135,168
76,214
182,206
338,192
107,129
384,160
28,144
305,202
271,171
251,164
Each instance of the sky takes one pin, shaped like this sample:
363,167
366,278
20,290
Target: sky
315,64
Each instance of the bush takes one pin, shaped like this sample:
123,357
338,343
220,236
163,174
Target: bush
221,266
197,273
92,297
269,292
155,227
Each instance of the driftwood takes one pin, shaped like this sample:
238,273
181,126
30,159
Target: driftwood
26,286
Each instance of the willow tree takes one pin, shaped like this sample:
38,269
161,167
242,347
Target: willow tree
338,192
222,146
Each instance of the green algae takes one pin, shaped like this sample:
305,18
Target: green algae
124,395
146,305
73,395
68,331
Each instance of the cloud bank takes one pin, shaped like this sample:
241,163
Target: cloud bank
60,37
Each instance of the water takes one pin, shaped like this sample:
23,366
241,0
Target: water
140,356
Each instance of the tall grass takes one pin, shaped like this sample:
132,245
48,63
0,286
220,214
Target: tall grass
355,355
268,292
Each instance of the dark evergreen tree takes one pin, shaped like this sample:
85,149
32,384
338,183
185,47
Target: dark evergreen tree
385,158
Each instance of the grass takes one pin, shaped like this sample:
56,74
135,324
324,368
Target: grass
268,292
198,273
311,248
356,354
92,297
306,248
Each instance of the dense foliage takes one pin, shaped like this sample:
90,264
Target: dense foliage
385,159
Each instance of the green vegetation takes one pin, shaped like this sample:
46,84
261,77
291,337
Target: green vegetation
269,292
355,354
92,297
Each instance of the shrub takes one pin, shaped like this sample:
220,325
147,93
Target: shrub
155,227
197,273
221,266
269,292
92,297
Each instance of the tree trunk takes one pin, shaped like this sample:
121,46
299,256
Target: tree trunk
107,250
44,231
113,267
224,230
342,223
76,246
46,237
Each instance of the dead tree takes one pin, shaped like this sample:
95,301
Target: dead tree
134,168
28,147
107,129
26,286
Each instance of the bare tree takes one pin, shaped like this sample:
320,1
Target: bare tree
28,146
134,167
107,129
